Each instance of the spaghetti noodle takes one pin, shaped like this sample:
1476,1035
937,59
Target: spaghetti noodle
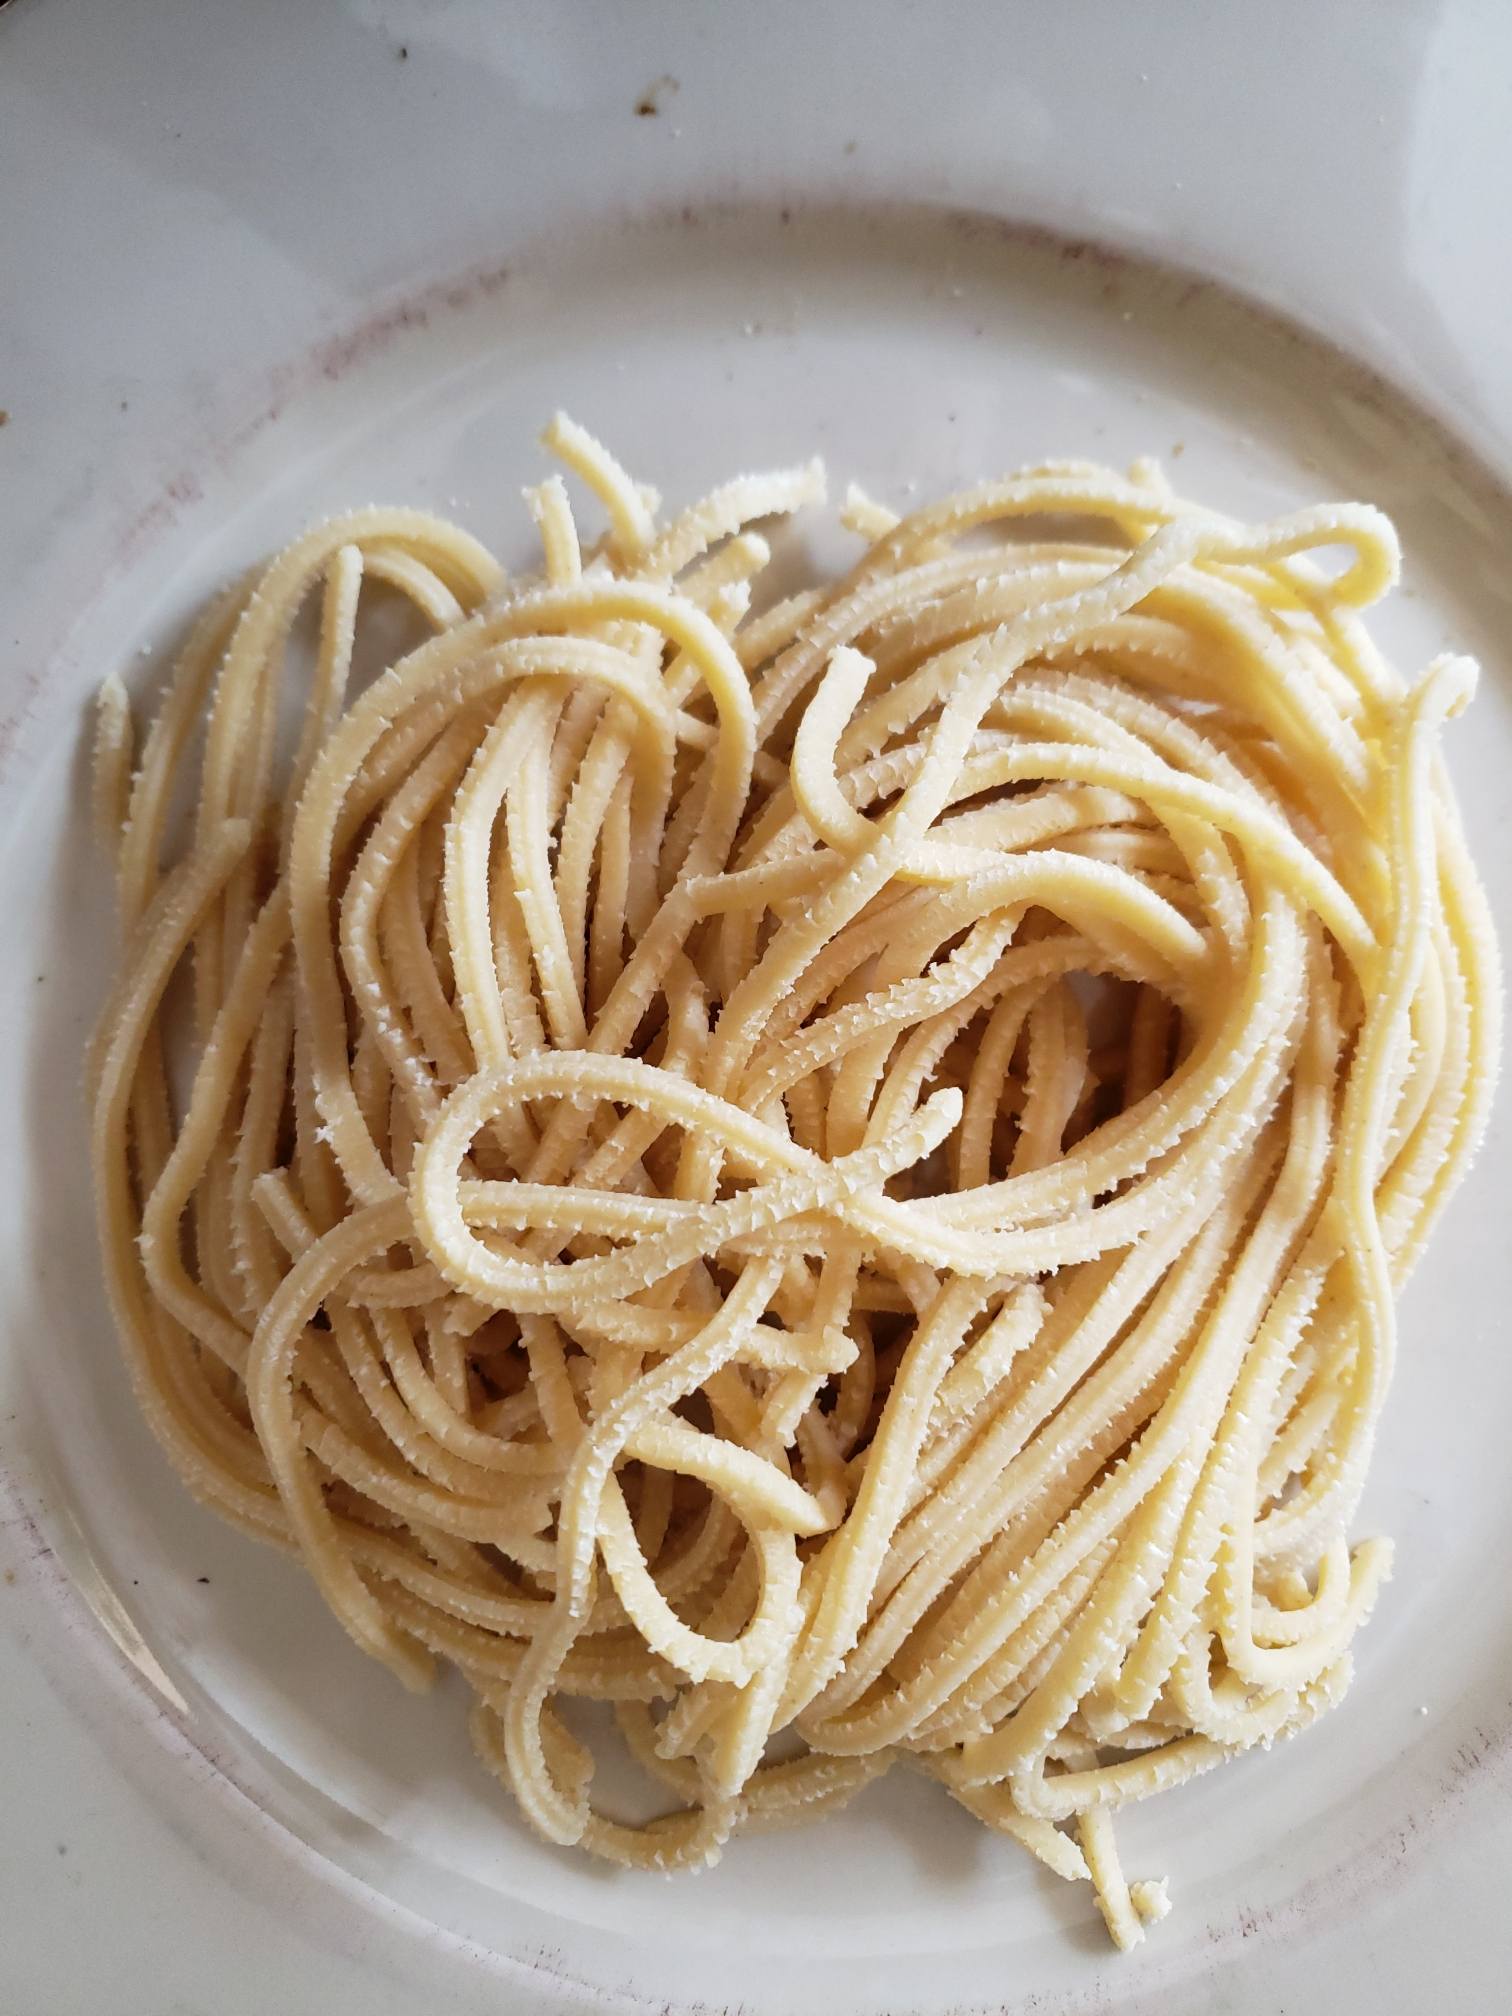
831,1177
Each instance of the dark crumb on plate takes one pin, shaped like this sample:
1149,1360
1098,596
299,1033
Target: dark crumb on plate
4,416
202,1578
404,52
648,105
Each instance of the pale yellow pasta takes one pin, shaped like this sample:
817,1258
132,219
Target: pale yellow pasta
831,1174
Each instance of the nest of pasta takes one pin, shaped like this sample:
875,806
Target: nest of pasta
829,1173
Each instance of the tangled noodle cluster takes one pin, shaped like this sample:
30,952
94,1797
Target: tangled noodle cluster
839,1170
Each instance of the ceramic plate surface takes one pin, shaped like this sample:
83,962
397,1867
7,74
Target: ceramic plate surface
261,263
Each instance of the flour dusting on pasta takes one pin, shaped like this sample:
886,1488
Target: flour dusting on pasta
829,1172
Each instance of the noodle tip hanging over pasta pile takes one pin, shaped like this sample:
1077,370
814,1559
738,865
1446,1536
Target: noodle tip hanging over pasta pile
834,1170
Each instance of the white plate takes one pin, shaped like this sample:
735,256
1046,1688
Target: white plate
262,265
